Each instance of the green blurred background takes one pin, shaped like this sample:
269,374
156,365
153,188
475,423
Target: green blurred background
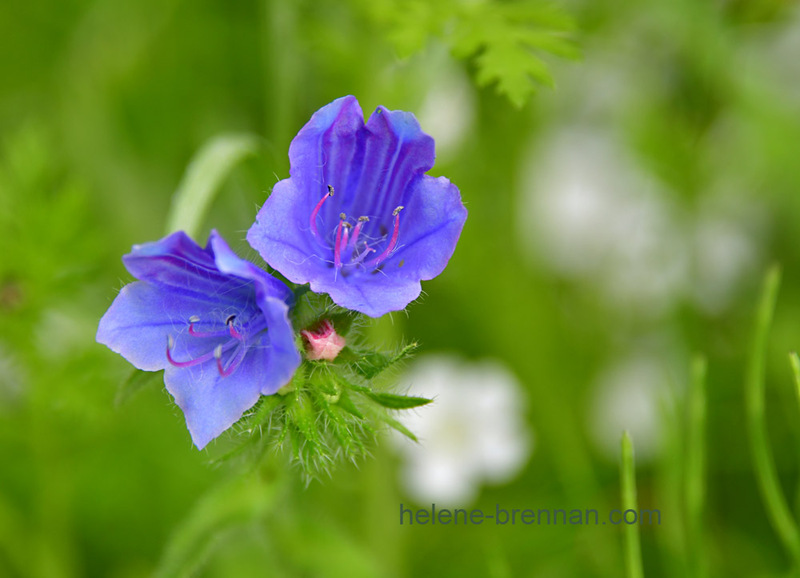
620,224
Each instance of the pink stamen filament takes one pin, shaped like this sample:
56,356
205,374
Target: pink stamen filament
337,248
233,363
194,333
315,212
235,334
191,362
392,242
217,352
230,330
352,246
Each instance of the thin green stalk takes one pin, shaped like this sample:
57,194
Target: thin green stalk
203,179
632,547
696,467
766,474
234,502
794,361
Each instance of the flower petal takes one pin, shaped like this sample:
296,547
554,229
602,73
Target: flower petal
371,294
374,169
325,150
143,316
229,263
396,152
282,236
178,263
430,227
210,403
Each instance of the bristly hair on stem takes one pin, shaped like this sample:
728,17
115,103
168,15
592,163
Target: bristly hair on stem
329,413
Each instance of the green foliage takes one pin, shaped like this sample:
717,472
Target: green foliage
631,540
755,386
370,364
393,400
203,178
237,500
506,41
48,242
329,412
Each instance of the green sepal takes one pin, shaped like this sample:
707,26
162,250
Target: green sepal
369,365
347,404
300,412
393,400
396,425
311,308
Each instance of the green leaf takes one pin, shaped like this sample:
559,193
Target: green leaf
508,41
238,500
347,404
513,69
695,482
769,485
369,365
396,425
137,381
203,178
302,414
630,541
395,401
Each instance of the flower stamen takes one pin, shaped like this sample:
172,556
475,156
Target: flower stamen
392,242
234,362
191,362
235,334
353,245
315,212
337,248
194,333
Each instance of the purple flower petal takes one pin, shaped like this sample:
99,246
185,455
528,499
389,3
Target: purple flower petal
216,323
387,225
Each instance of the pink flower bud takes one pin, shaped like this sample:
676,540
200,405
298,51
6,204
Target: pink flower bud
323,343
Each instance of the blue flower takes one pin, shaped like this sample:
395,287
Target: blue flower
216,323
359,219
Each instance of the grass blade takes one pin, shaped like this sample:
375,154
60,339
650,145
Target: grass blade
696,467
632,547
203,178
766,474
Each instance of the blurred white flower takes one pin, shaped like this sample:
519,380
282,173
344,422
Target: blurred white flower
726,249
630,395
770,55
473,432
590,213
